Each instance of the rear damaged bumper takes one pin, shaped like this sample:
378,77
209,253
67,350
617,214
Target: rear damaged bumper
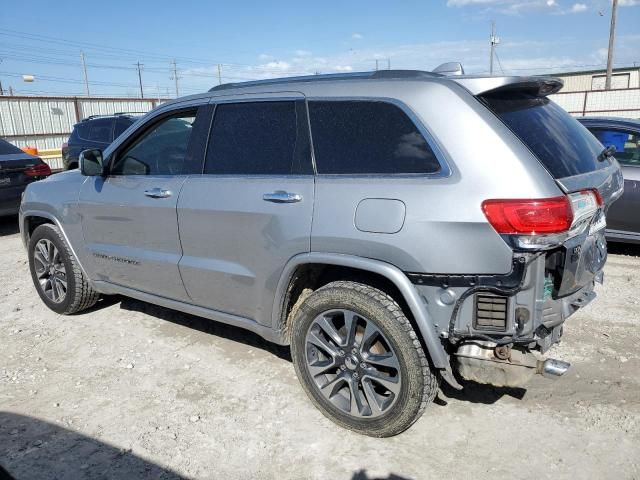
520,313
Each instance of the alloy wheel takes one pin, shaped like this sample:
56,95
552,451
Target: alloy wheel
352,363
50,270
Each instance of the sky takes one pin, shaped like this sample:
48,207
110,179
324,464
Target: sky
254,40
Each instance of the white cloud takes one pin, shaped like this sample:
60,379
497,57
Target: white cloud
263,57
578,7
357,36
302,53
629,3
551,3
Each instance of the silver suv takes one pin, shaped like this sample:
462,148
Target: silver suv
395,228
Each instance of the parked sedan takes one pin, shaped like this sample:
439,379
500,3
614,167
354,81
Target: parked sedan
17,170
623,218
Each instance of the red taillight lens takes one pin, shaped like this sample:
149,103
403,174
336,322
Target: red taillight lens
529,217
39,170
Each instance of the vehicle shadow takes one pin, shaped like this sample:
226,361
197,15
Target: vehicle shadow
630,249
9,226
472,392
476,393
362,475
204,325
35,449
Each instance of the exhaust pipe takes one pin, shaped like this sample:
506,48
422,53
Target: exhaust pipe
552,368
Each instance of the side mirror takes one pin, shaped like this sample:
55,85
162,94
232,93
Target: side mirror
91,164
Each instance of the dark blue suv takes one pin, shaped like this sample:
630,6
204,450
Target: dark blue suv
96,131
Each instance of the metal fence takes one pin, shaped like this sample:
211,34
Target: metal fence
614,103
46,122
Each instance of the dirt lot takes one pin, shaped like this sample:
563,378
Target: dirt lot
130,390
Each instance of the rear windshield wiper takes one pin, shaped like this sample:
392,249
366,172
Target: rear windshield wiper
607,152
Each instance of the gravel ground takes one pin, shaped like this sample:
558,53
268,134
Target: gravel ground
131,390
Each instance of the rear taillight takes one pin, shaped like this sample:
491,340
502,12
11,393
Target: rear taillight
529,216
38,170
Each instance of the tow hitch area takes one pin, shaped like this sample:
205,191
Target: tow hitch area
504,365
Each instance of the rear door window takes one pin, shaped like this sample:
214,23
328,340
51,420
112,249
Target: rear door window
367,137
627,144
121,125
559,141
259,138
101,130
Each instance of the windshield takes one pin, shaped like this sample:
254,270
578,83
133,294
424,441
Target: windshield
8,149
560,142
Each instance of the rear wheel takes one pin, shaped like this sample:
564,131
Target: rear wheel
56,274
360,361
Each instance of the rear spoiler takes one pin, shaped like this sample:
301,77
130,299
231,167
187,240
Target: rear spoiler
538,86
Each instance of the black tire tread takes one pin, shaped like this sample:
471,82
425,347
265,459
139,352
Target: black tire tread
430,380
83,296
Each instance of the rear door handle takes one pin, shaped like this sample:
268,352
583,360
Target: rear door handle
157,193
281,196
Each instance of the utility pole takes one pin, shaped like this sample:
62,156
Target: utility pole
389,63
376,64
1,90
494,41
219,75
175,76
612,37
10,91
84,70
140,65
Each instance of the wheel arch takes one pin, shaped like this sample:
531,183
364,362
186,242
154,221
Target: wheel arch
296,275
32,219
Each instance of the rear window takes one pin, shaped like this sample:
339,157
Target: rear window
365,137
7,148
259,138
560,142
100,130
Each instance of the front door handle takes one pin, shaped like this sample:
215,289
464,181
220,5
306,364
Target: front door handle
157,193
281,196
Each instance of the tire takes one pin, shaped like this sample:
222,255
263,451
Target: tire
78,294
319,333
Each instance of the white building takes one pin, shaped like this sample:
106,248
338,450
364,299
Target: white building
584,94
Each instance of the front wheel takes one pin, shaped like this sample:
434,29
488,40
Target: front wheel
360,361
56,274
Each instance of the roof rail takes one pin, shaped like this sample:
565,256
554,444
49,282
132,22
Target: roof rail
396,74
117,114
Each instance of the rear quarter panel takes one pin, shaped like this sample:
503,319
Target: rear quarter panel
445,230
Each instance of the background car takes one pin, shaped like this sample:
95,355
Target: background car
96,131
17,170
623,218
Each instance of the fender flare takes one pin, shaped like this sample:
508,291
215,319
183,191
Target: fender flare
43,214
436,351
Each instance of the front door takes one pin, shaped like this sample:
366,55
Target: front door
251,210
129,218
623,220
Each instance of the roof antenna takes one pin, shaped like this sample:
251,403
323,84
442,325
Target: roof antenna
449,68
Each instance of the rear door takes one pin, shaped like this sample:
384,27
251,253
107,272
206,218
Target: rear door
251,209
623,220
129,218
